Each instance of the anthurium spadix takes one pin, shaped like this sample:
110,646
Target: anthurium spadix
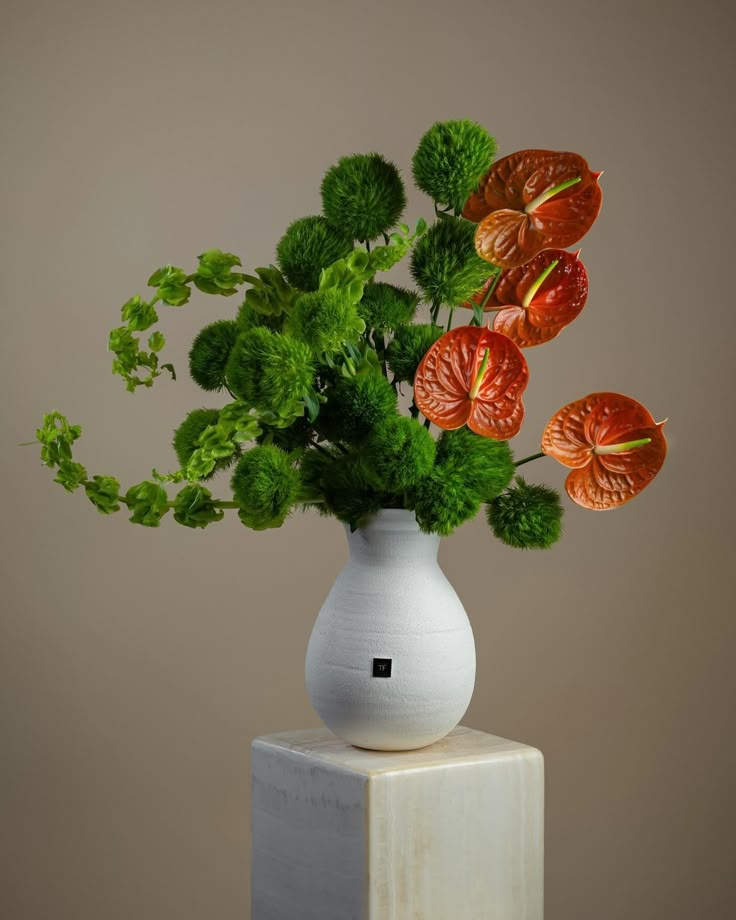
613,445
530,201
534,302
473,376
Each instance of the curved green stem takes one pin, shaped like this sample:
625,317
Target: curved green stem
530,458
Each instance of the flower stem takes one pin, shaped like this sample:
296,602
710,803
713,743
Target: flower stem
530,458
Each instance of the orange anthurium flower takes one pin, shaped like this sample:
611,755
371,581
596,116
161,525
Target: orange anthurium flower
532,200
473,376
612,443
535,302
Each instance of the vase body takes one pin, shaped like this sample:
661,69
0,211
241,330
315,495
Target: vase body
391,659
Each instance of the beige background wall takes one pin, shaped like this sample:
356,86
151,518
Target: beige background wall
137,664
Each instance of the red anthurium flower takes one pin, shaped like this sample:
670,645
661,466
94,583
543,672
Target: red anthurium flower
535,302
473,376
532,200
612,443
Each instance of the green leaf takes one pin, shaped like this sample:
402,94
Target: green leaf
104,492
70,475
156,341
138,314
149,503
193,507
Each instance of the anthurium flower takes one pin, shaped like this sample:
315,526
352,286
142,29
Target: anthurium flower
532,200
613,445
475,376
535,301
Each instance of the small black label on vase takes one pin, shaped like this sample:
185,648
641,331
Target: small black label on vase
382,667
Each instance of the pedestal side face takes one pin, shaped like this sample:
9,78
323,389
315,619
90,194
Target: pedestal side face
461,841
309,833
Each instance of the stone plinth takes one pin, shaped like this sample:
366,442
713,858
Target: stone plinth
453,831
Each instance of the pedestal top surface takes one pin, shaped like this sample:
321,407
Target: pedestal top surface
462,745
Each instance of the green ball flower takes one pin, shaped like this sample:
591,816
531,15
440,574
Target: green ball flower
325,320
309,245
265,485
210,352
342,485
409,346
443,501
451,159
270,372
363,195
445,265
399,454
482,463
187,434
386,306
356,407
527,516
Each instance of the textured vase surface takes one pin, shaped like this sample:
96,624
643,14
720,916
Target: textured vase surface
391,659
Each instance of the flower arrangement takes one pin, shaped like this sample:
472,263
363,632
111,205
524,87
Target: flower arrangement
323,353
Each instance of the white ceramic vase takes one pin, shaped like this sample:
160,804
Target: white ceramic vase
391,659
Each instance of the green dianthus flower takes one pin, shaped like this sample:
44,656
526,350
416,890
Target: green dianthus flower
210,352
399,454
325,320
309,245
443,501
386,306
265,485
451,159
271,372
342,486
482,463
445,265
356,407
526,516
363,195
409,346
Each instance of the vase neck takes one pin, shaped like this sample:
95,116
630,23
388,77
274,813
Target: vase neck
392,537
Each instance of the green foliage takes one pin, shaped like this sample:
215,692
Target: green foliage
481,463
386,306
451,159
194,507
188,438
526,516
445,264
209,353
269,294
149,503
363,195
265,484
138,314
309,245
356,407
399,454
214,274
104,493
248,318
129,358
56,437
271,372
172,285
295,437
341,485
443,501
409,346
326,321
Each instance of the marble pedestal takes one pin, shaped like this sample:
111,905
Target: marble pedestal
453,831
